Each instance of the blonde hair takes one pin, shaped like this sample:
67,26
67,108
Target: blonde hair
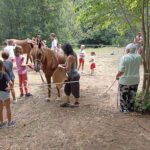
53,35
83,46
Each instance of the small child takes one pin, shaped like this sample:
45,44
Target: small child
8,68
54,41
5,84
92,63
81,57
22,71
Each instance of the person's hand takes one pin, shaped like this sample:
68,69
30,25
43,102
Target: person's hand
117,77
59,66
8,89
30,66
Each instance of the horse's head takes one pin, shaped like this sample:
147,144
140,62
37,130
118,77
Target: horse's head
38,56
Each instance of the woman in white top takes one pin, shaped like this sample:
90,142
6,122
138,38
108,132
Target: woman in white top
54,42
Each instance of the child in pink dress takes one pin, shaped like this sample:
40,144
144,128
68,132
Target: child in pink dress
92,63
22,72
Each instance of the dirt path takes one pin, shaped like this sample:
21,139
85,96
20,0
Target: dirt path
95,125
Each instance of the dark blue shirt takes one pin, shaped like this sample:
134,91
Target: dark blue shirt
8,66
4,79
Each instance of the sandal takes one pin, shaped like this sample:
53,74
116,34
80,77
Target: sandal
65,105
76,103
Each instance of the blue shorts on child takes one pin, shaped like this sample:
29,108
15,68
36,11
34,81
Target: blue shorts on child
4,95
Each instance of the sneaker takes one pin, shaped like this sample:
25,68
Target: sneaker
124,111
15,101
21,95
11,124
28,95
3,124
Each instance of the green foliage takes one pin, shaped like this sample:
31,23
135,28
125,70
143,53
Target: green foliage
141,106
88,21
123,17
25,18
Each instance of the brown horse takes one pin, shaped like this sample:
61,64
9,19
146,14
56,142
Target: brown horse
48,60
26,45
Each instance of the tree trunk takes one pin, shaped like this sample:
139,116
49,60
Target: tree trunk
146,49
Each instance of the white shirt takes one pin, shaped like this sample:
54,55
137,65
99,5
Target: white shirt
10,50
82,54
54,45
92,60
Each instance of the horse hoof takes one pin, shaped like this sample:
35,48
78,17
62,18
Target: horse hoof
58,98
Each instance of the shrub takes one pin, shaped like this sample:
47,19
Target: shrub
141,106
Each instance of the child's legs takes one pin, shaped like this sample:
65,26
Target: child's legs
25,82
79,66
7,105
92,70
20,83
13,91
82,65
1,111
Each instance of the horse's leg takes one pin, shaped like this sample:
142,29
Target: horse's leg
27,59
30,57
48,78
58,92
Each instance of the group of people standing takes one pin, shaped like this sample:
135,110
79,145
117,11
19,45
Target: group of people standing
13,54
82,56
128,75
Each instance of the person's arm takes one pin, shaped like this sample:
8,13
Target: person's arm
119,74
121,68
9,83
67,67
23,63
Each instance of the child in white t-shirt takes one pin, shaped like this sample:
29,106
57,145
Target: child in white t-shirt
10,50
81,57
54,42
92,63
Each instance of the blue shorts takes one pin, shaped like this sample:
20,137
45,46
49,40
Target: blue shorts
4,95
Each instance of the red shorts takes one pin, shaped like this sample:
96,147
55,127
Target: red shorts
92,66
81,60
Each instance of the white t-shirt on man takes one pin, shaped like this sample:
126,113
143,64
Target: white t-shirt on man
10,50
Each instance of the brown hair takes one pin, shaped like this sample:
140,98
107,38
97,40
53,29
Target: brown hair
5,55
53,35
93,53
18,49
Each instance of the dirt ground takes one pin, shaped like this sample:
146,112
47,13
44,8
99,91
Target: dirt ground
96,125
